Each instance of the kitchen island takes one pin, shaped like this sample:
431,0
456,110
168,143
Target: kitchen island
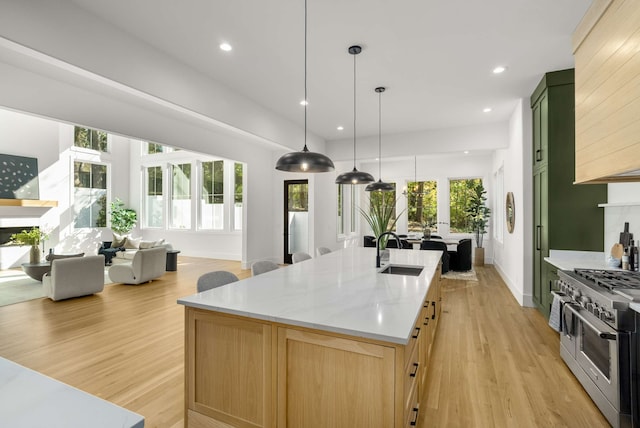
327,342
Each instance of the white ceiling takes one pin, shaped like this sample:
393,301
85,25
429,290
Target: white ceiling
436,57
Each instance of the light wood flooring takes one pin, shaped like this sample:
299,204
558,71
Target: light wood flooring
495,364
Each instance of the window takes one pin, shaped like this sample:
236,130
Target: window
212,197
422,205
154,148
154,200
181,196
341,218
90,139
386,198
238,200
90,194
460,194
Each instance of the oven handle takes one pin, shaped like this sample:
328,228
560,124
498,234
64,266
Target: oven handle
595,324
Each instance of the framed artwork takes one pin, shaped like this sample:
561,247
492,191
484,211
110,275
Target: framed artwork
510,214
18,177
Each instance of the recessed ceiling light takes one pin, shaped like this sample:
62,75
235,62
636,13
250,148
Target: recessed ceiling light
487,109
225,47
340,128
466,152
304,102
499,69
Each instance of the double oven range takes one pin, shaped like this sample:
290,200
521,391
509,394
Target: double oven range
599,338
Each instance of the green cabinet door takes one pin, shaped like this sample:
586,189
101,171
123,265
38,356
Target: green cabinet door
540,235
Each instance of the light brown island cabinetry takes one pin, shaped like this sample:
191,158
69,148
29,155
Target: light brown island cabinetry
247,372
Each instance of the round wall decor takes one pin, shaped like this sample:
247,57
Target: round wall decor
510,212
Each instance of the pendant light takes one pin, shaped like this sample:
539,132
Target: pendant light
354,176
380,185
415,192
305,161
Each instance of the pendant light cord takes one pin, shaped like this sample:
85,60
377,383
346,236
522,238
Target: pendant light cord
306,103
354,111
380,135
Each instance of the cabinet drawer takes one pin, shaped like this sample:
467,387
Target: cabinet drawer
411,376
413,341
412,412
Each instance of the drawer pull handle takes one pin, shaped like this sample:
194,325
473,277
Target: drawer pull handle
426,321
414,422
433,316
538,155
415,370
415,336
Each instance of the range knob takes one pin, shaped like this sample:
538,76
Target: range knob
584,301
575,294
606,316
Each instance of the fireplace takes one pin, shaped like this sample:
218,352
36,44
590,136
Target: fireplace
6,232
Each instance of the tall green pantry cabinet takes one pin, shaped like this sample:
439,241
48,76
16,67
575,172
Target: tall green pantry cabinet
566,216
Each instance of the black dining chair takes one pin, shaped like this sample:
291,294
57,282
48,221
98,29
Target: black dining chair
391,243
460,260
369,241
438,245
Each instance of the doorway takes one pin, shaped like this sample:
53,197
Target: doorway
296,217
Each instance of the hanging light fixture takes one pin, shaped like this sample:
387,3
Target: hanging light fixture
305,161
354,176
414,192
380,185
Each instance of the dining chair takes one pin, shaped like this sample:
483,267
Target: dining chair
438,245
460,260
215,279
299,257
263,266
321,251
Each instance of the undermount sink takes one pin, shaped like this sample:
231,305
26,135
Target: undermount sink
403,270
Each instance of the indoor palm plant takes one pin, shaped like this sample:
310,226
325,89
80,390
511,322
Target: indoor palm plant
381,216
31,237
478,214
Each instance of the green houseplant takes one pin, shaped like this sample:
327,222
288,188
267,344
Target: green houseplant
31,237
123,220
380,216
478,214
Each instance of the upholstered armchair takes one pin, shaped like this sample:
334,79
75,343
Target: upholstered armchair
74,277
146,265
460,260
438,245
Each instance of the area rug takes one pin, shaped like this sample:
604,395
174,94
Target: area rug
469,275
16,286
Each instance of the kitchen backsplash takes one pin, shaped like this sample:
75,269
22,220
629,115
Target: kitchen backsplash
625,200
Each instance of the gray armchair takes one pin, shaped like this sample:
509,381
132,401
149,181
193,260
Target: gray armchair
146,265
74,277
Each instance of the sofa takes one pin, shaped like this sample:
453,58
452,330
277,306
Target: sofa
123,248
146,265
74,277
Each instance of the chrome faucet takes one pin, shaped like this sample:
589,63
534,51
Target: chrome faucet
378,245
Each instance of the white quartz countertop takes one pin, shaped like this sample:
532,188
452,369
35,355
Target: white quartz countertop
570,260
340,292
29,399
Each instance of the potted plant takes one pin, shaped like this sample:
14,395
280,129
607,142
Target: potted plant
123,220
478,214
31,237
380,216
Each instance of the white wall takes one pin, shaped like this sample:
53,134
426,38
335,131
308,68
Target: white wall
627,197
512,256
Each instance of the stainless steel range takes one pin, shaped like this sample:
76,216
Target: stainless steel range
599,338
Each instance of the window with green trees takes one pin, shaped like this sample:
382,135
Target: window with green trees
90,194
238,201
422,204
181,196
378,198
90,139
341,218
212,197
154,201
461,193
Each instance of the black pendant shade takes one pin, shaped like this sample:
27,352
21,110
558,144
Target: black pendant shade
380,186
354,176
305,161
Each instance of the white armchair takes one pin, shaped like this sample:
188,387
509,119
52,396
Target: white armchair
74,277
146,265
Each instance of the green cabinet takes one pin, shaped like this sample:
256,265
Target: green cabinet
566,216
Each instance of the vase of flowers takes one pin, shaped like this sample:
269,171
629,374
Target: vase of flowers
31,237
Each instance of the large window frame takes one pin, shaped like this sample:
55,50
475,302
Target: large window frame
91,213
458,201
422,205
180,189
91,139
154,196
